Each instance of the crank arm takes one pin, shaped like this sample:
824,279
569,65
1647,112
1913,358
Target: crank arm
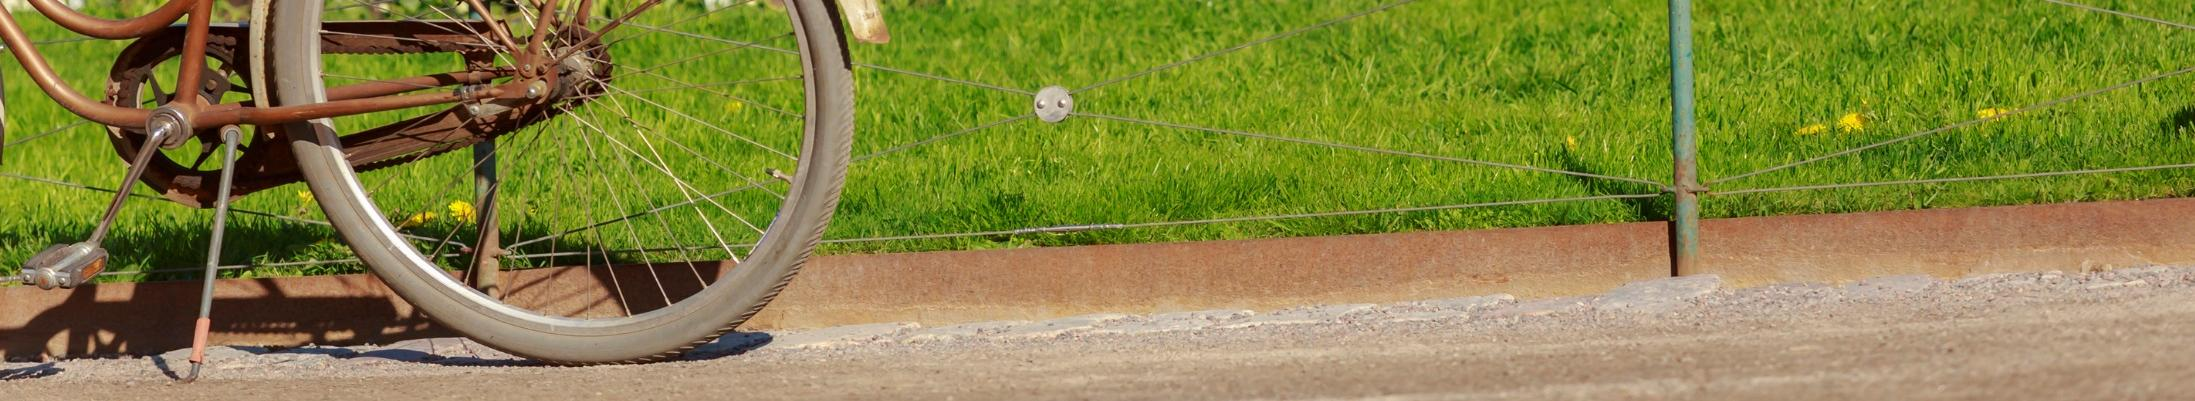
66,266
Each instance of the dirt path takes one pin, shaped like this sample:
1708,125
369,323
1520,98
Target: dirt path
2113,335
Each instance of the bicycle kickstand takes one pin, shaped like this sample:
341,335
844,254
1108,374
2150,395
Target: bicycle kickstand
230,135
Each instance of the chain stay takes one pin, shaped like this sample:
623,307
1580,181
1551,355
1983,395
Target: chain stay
266,166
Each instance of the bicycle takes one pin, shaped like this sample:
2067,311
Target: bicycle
565,105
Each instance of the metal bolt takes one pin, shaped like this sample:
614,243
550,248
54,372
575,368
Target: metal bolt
1054,104
536,89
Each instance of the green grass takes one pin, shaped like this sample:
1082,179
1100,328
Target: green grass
1510,82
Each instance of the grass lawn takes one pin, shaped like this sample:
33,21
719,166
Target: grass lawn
1567,85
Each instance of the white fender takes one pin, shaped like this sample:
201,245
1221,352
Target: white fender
866,19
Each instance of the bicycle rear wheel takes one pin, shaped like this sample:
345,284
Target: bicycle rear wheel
663,208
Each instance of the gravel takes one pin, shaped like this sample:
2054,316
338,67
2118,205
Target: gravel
2049,335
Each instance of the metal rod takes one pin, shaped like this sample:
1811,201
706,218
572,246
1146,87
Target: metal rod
486,253
230,135
1684,219
187,82
144,25
386,87
42,73
3,125
137,169
495,26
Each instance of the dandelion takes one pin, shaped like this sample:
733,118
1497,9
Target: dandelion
1811,129
462,211
1992,112
417,219
1570,143
734,106
304,196
1852,122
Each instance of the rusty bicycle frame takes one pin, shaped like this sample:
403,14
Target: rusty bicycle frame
541,75
530,65
362,98
529,75
531,72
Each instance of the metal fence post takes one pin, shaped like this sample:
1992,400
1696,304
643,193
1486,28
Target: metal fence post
1684,220
486,181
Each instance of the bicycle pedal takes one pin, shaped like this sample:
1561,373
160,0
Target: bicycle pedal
65,266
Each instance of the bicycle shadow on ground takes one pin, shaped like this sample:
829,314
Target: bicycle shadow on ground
731,344
154,317
435,351
158,317
29,372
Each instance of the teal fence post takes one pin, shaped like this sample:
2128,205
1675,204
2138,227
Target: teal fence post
1684,220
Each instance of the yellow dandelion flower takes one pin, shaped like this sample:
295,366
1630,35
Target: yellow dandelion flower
734,106
304,196
1570,143
1852,122
1811,129
462,211
1991,112
417,219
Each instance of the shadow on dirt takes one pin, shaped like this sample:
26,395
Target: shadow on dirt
154,317
731,344
29,372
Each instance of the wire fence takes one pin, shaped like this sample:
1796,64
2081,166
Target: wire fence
1727,185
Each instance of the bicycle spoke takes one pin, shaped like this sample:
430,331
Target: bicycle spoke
697,120
751,102
674,176
618,201
715,84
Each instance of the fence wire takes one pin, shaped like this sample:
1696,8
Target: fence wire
1661,188
1962,124
1955,179
1125,226
2159,21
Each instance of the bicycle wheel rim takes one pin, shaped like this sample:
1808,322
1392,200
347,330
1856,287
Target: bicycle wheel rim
293,61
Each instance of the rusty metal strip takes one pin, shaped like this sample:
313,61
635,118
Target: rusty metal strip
937,288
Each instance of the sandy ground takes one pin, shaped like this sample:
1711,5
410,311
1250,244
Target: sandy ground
2109,335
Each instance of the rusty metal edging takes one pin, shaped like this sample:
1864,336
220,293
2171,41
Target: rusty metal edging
937,288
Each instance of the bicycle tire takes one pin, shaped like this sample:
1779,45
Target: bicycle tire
286,33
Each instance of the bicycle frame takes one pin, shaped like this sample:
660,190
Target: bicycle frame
508,81
356,99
